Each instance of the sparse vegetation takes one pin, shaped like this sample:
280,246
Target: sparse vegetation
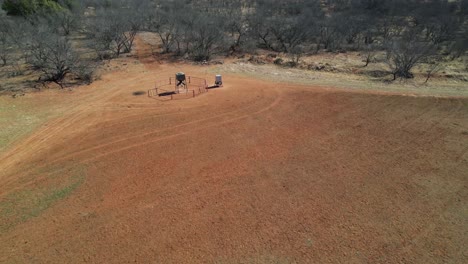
29,7
405,53
20,206
201,29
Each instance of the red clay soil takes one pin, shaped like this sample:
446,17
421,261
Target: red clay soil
254,172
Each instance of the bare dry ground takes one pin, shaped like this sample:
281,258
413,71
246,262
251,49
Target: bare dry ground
259,171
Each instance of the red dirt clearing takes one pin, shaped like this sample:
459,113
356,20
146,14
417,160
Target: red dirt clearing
255,172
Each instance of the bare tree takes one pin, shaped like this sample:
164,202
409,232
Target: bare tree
389,27
51,54
328,36
237,26
200,28
261,31
404,53
260,25
5,40
289,33
17,39
102,36
350,26
206,36
114,31
185,33
164,23
65,21
463,7
296,54
433,68
368,53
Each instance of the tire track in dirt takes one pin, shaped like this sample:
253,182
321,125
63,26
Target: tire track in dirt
230,120
123,138
177,127
218,191
459,159
434,137
426,135
464,152
33,144
400,130
393,102
437,123
429,228
275,102
42,137
148,116
417,238
428,109
123,119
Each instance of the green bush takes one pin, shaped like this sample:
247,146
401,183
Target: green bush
28,7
